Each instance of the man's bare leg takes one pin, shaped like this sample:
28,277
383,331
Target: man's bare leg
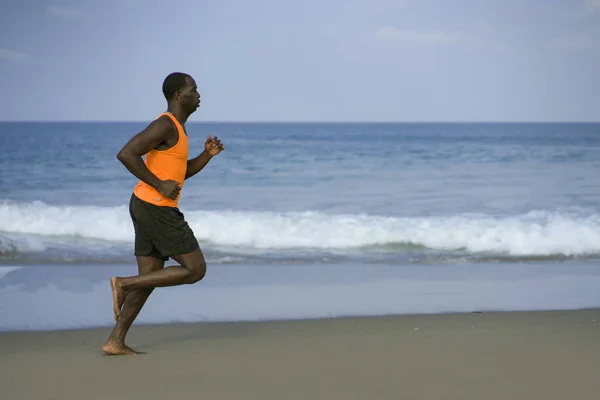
133,303
133,291
192,268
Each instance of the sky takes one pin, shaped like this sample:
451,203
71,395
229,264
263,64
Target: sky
284,60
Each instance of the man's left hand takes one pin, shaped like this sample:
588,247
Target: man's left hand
213,146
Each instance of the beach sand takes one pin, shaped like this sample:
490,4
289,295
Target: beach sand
483,356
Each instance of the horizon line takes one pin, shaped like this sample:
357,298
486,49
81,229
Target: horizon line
313,121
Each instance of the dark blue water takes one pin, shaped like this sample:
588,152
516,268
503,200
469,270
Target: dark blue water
314,190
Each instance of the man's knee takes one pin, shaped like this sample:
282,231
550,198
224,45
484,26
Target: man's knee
196,265
198,273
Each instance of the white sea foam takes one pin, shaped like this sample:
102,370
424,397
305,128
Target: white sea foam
5,269
534,233
10,246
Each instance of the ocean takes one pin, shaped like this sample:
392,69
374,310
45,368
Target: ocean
309,220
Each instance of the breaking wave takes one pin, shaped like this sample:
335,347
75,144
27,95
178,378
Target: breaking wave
536,233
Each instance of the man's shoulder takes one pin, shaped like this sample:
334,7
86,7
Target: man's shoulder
163,120
163,124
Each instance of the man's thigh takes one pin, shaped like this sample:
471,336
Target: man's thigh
148,264
162,231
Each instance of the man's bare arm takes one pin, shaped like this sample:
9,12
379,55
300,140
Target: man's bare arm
157,132
195,165
212,147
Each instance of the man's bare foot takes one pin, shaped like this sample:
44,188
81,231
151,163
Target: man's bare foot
112,348
118,297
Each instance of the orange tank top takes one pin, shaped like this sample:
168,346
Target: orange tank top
165,164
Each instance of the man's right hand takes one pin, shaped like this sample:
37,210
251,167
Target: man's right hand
169,188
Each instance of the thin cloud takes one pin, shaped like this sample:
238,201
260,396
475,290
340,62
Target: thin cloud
436,37
63,12
575,42
588,8
12,56
479,34
570,42
395,3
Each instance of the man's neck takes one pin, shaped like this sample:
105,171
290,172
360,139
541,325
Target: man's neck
178,113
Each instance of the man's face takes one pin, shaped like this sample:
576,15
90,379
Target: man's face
189,96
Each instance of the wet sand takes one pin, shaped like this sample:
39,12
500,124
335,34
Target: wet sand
488,356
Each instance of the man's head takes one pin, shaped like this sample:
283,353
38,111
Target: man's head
179,87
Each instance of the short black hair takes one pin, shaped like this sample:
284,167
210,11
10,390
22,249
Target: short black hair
173,82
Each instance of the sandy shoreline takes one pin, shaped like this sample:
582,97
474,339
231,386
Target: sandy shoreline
512,355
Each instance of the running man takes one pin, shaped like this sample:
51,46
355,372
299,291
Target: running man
161,230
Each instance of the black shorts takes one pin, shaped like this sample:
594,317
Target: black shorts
160,231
